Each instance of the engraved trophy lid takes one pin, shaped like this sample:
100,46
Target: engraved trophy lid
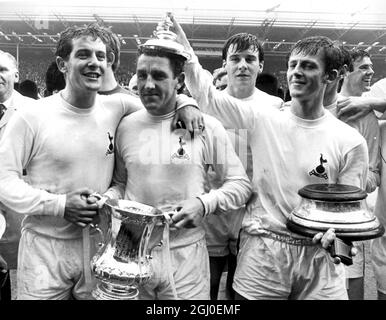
165,40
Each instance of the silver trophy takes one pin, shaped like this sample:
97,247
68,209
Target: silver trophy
165,40
337,206
122,263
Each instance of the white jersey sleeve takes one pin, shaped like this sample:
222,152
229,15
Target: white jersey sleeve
236,188
16,148
355,166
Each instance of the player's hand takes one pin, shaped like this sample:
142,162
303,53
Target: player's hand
181,36
326,240
189,215
78,210
352,108
189,118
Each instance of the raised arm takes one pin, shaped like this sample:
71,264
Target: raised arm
230,111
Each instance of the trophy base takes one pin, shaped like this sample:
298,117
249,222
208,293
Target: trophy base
348,235
106,291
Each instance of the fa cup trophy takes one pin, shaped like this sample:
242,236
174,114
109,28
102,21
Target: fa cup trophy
122,263
165,40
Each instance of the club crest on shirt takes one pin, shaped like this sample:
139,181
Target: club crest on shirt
110,148
320,170
181,152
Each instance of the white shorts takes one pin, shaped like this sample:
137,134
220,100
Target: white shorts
190,270
378,260
279,267
222,231
357,269
51,269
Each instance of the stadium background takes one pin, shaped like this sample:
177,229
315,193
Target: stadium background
29,29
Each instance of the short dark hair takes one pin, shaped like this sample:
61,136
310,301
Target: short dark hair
177,62
64,46
113,46
331,53
347,60
29,88
268,83
243,41
358,54
54,78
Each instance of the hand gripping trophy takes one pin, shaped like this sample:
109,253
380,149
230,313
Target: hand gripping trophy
122,263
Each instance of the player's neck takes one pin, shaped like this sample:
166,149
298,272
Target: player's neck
79,99
309,109
240,92
109,82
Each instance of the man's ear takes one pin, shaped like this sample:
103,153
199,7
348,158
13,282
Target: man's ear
17,77
261,65
224,63
110,59
343,71
181,80
61,63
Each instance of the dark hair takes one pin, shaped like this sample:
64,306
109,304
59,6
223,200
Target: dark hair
358,54
268,83
54,79
29,88
331,53
241,42
177,62
113,46
347,60
64,46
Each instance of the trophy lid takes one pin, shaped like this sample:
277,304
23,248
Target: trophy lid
332,192
165,40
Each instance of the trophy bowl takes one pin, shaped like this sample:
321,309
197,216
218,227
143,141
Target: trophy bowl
337,206
123,262
165,40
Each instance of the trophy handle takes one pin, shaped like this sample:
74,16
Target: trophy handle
99,230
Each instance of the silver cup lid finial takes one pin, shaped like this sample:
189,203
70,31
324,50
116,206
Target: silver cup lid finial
165,39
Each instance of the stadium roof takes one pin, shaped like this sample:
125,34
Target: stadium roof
279,23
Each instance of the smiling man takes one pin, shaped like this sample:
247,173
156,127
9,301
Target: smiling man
356,82
168,170
273,262
66,143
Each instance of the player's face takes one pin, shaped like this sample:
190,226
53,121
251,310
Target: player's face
360,77
157,85
242,67
8,76
305,75
86,64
